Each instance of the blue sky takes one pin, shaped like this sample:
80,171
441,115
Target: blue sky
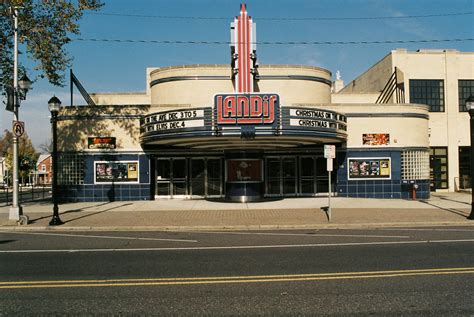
120,67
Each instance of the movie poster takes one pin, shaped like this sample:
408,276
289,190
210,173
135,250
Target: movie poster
244,171
369,168
375,139
109,172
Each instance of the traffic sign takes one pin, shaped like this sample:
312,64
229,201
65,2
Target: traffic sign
329,151
18,128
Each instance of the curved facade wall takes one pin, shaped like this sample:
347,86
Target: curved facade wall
196,85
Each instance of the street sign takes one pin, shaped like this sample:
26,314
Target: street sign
329,151
18,128
329,165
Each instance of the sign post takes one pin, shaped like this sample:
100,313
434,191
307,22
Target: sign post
329,154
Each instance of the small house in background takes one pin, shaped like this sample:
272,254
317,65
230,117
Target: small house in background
43,169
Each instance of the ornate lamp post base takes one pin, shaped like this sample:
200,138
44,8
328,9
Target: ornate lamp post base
55,221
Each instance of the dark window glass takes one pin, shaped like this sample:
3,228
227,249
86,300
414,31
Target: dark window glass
464,167
465,89
438,168
429,92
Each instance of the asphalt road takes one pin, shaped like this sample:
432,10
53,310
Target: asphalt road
404,271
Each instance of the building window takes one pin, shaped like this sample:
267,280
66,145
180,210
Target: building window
438,168
43,167
465,89
429,92
71,169
415,165
464,167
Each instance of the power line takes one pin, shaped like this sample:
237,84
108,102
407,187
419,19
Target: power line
281,18
272,43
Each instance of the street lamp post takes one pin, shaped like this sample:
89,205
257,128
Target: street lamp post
54,105
470,109
20,88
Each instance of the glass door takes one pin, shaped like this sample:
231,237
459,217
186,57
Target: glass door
273,176
179,177
163,177
322,178
214,177
307,175
198,177
289,176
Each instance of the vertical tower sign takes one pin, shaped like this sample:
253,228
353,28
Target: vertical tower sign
243,51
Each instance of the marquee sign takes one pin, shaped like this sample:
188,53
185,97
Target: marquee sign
306,118
246,109
173,120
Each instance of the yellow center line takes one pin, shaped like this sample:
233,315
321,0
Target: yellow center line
231,279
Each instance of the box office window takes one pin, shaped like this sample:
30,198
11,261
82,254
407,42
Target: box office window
429,92
438,168
116,172
465,89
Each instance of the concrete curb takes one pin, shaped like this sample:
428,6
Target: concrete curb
239,227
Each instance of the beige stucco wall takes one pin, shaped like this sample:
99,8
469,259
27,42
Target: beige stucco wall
354,98
131,98
198,93
77,124
395,119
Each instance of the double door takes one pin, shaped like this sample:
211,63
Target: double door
188,177
296,176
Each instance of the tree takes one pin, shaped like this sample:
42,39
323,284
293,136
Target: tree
44,29
46,147
27,155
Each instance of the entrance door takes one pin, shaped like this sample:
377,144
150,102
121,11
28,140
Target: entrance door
214,177
273,176
171,177
288,165
198,177
322,178
178,177
307,175
163,177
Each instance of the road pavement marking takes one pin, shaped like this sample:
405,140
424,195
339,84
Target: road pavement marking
277,246
425,229
301,234
95,236
232,279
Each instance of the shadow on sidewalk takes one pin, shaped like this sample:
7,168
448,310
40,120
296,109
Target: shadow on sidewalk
456,201
83,209
451,210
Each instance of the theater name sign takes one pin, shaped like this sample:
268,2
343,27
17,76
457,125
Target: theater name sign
233,113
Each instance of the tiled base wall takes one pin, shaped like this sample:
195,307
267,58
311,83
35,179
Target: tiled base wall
383,189
97,193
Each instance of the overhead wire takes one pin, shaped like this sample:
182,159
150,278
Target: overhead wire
271,43
283,18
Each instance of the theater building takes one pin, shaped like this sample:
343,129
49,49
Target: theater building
246,132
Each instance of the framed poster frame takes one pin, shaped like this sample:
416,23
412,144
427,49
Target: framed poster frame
114,170
373,168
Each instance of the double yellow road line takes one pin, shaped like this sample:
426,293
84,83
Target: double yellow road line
232,279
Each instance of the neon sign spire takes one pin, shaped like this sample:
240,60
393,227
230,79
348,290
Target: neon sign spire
243,51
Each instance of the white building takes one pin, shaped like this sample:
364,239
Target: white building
442,79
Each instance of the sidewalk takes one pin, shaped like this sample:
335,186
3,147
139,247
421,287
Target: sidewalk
290,213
